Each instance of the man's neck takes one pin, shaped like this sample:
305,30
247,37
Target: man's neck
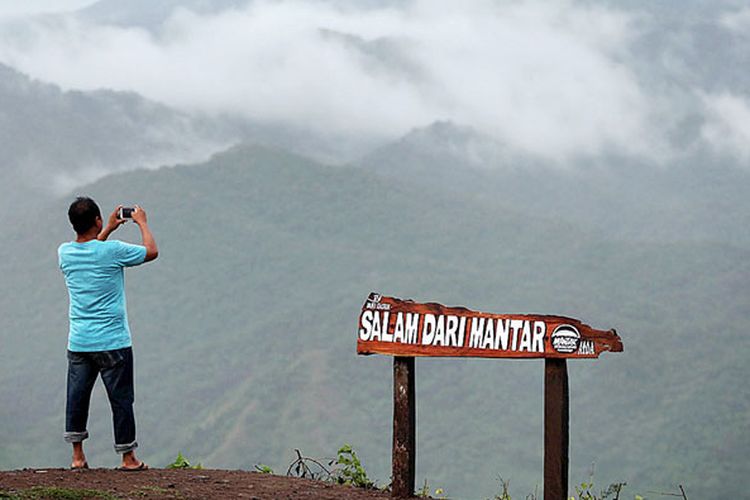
88,235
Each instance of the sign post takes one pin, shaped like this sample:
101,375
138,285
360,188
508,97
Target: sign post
406,329
404,428
556,405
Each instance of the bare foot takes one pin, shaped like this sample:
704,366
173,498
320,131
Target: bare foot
130,462
79,458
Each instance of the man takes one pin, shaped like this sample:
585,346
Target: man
99,340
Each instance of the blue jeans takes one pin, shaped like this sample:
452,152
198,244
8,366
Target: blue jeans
116,369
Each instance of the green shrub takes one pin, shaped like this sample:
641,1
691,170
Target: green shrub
350,469
182,463
263,469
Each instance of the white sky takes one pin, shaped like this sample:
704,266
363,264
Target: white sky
17,8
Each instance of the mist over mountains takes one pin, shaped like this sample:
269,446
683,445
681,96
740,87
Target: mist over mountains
585,159
560,83
54,141
695,201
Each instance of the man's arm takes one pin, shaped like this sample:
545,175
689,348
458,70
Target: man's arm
139,217
112,223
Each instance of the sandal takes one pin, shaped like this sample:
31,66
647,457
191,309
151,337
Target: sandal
141,466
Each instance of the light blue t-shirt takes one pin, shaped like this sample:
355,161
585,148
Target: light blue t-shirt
96,286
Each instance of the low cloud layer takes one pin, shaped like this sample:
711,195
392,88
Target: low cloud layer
551,80
16,8
737,21
727,128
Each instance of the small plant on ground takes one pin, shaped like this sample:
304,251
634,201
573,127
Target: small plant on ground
440,493
309,468
504,494
585,490
424,492
263,469
612,492
182,463
350,470
681,494
346,468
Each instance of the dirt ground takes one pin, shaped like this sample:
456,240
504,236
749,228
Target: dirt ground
170,483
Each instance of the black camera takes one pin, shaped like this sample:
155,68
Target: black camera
126,213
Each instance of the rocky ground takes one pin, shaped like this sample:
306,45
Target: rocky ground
168,483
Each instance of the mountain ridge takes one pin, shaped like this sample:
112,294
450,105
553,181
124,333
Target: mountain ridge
280,251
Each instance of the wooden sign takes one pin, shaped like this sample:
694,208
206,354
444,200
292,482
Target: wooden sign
388,325
405,329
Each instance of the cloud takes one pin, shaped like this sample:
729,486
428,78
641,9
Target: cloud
737,21
727,128
14,8
548,79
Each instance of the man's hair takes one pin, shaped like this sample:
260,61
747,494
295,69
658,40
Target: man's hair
83,213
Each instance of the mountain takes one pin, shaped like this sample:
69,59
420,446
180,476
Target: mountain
54,140
686,43
693,199
245,331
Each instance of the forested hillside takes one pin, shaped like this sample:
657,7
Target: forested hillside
695,198
245,329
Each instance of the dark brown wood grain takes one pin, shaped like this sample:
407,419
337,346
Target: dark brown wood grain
589,343
404,428
556,431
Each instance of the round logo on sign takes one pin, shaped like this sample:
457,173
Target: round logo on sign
565,339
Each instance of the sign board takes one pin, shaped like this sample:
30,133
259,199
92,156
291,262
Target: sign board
388,325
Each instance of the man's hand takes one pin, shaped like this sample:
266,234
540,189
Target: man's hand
112,223
139,216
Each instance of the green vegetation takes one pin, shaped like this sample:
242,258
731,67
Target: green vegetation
350,470
309,467
424,492
263,469
182,463
505,494
346,468
585,491
56,493
246,323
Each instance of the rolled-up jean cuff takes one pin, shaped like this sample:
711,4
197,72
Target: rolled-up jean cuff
124,448
75,437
